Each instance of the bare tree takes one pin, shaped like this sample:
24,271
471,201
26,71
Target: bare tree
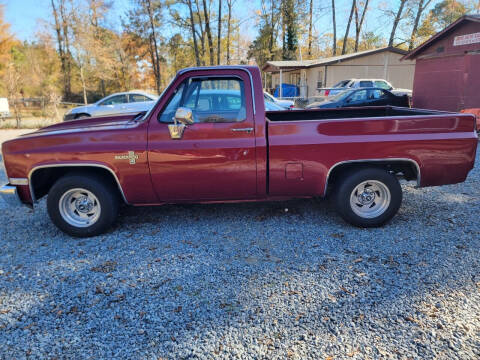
208,31
153,40
13,83
310,23
229,28
62,29
359,23
422,5
334,45
219,34
201,32
347,30
398,16
194,35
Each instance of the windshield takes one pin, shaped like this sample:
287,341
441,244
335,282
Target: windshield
271,106
341,84
340,96
147,114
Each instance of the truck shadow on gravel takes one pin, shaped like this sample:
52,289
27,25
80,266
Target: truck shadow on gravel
250,280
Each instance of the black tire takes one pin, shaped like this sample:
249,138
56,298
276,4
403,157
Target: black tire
105,194
82,116
349,181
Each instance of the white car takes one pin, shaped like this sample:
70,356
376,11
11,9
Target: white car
365,83
287,104
132,102
4,109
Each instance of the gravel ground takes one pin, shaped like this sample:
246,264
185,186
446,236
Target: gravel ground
247,281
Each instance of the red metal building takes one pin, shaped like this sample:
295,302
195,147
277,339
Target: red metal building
447,70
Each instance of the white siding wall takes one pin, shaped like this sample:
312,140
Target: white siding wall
384,65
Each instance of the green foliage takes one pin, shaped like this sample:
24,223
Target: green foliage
290,45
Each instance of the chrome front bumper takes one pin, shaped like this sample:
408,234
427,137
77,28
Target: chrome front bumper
9,194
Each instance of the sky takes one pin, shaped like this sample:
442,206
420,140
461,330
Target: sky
23,15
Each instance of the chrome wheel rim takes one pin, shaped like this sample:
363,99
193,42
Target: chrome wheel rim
79,207
370,199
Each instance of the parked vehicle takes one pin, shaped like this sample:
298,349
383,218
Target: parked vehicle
286,104
193,148
4,109
363,83
118,103
361,97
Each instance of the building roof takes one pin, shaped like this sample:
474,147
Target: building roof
271,66
415,52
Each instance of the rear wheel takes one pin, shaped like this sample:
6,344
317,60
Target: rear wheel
368,197
82,205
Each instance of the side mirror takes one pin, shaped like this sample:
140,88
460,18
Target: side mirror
184,116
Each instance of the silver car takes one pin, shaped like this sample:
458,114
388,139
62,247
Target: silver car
119,103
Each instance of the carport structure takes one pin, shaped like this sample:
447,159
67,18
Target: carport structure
447,70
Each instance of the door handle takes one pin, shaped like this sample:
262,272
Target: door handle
247,130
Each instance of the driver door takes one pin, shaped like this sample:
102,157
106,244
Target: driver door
215,158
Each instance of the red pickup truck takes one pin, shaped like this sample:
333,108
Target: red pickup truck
209,139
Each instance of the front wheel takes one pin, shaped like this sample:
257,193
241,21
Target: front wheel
368,197
82,205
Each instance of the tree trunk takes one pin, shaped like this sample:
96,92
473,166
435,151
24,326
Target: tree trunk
359,23
219,33
66,50
153,39
334,47
208,31
310,22
282,11
345,38
229,25
194,35
421,7
396,21
202,33
84,86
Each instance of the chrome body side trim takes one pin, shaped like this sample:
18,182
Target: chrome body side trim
32,194
372,160
18,181
9,194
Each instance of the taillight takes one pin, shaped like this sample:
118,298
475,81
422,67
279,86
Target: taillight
327,92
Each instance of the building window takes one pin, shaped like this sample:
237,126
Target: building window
320,79
295,79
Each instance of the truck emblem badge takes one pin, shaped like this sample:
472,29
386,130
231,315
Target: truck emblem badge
131,157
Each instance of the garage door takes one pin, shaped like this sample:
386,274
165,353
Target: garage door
472,83
439,83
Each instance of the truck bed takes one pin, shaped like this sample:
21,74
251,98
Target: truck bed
304,146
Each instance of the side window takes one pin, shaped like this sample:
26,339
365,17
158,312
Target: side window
358,96
382,85
210,99
377,94
114,100
138,98
366,84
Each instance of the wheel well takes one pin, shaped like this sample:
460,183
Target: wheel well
77,116
42,179
405,169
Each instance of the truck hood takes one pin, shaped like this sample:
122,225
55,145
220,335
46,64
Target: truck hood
83,125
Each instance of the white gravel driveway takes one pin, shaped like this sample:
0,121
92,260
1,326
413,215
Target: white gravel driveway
247,281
